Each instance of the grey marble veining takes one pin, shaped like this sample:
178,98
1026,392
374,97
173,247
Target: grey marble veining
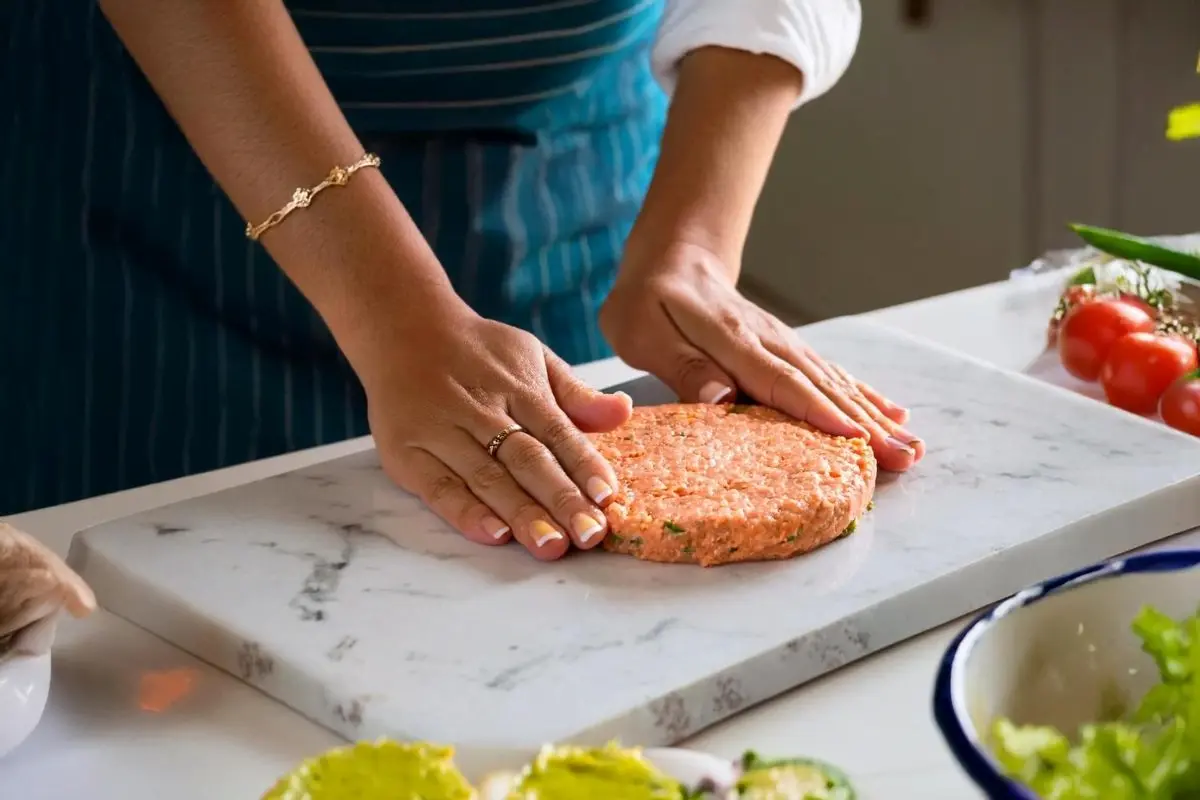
341,596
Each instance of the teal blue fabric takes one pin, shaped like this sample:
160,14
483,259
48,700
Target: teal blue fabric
145,338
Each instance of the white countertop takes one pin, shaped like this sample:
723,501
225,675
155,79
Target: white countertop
102,737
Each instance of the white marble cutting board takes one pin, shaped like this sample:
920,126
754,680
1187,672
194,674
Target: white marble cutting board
288,583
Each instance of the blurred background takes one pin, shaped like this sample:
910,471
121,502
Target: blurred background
963,138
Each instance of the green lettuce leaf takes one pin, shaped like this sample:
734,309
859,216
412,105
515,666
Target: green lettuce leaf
1152,755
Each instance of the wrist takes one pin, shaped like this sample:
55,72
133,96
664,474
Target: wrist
361,261
652,251
376,327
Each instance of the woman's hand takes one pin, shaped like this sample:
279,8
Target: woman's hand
440,391
676,313
34,585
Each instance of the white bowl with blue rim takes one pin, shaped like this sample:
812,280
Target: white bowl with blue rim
1059,653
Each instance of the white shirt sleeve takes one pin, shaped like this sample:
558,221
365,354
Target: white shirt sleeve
818,37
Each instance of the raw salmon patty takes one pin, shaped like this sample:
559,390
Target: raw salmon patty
715,484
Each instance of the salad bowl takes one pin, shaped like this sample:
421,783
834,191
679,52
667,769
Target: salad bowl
1074,656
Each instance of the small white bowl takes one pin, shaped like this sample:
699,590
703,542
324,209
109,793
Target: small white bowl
24,687
1059,653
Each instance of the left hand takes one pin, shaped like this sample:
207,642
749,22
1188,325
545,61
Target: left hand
679,316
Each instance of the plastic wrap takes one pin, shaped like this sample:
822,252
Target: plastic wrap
1112,277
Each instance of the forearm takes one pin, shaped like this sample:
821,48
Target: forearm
243,88
727,116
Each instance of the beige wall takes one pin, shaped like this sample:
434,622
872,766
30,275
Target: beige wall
955,151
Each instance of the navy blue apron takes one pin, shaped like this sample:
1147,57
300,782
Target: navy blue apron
146,338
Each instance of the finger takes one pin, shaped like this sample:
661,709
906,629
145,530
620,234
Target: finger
589,409
853,393
695,377
36,605
490,480
691,375
894,448
763,375
895,413
779,384
78,598
536,469
575,454
446,494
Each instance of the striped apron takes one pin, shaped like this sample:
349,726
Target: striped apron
147,339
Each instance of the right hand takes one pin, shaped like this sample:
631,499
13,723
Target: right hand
435,400
34,584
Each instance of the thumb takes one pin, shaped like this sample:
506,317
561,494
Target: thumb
78,598
695,377
593,411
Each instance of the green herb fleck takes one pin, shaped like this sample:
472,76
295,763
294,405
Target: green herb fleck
853,526
672,528
688,550
616,538
793,537
870,505
635,541
1085,277
739,408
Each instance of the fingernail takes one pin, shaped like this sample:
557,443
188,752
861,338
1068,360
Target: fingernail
626,397
544,532
494,527
585,527
598,490
896,444
714,392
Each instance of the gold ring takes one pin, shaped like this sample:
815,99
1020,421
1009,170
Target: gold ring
494,445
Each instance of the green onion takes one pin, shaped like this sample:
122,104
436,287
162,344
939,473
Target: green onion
1135,248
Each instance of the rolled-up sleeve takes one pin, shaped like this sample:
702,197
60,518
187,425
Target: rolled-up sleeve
818,37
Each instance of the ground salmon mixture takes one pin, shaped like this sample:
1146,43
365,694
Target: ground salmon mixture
716,484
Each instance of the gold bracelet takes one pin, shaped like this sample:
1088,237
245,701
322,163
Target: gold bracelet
301,198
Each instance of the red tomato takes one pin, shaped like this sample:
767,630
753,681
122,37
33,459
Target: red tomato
1073,296
1140,367
1090,330
1180,404
1133,299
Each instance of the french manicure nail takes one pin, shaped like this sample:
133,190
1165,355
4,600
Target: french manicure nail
598,490
714,392
896,444
544,532
494,527
585,527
